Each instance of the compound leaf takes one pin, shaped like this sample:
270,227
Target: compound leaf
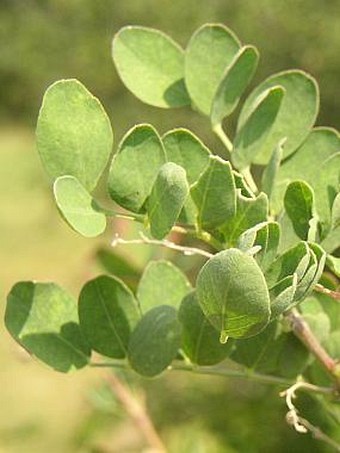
108,313
78,207
74,135
155,341
210,50
151,65
43,318
233,294
162,283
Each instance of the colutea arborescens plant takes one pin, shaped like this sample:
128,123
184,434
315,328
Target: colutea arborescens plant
267,244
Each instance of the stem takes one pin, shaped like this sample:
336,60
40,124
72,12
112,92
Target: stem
249,179
211,371
333,294
137,412
302,330
223,137
163,243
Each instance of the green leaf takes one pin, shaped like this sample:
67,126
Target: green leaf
214,194
299,205
155,341
259,124
336,212
296,117
305,164
270,172
241,184
183,148
200,340
108,313
235,80
74,135
210,51
334,264
167,199
162,283
282,295
78,207
233,294
249,212
135,167
119,266
43,318
151,65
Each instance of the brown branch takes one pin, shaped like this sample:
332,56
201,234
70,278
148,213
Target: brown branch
302,330
333,294
137,412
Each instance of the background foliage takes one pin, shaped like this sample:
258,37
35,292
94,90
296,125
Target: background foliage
45,40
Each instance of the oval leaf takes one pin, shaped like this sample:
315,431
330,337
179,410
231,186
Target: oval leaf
151,65
167,199
155,341
214,194
257,127
78,207
299,206
235,80
233,294
200,340
162,283
108,313
135,167
43,318
210,50
74,135
296,116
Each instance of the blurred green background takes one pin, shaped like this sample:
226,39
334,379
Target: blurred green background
45,40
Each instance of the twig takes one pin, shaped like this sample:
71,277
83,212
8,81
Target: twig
300,424
163,243
137,412
333,294
302,330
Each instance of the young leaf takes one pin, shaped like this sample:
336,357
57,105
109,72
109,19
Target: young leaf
167,199
43,318
299,205
135,167
257,126
162,283
151,65
78,207
270,172
233,294
200,340
210,50
183,148
249,212
235,80
282,295
155,341
74,135
241,184
296,117
214,194
305,163
108,313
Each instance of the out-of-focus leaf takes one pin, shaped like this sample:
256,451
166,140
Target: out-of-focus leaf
151,65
